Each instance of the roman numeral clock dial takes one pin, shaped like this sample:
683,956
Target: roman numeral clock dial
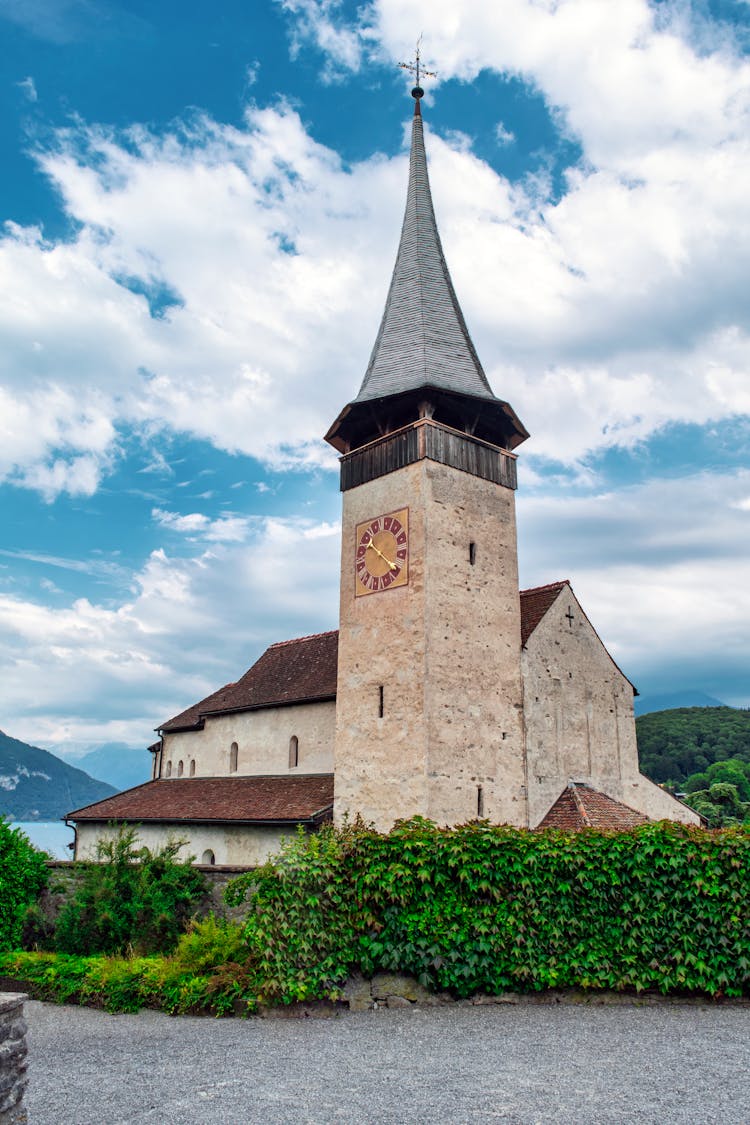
381,553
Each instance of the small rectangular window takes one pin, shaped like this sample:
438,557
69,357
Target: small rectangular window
480,801
472,553
380,701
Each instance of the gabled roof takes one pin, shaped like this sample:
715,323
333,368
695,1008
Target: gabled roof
534,605
580,806
288,799
298,671
304,670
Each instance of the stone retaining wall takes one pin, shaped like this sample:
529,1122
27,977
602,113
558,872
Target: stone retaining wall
12,1058
66,874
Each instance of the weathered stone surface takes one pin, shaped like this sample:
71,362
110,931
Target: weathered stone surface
397,984
12,1058
397,1002
449,744
358,993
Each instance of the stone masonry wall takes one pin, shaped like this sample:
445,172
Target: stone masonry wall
12,1058
65,875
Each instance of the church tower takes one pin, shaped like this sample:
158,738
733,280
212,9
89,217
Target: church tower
429,710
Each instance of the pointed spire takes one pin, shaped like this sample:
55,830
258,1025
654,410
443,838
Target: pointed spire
423,339
423,363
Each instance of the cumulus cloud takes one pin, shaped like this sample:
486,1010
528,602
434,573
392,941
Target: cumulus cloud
193,623
661,570
227,282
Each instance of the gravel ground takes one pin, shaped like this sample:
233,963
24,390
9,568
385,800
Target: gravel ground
520,1063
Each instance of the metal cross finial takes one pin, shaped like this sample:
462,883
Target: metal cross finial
415,68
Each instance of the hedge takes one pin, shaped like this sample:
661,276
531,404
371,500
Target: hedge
478,908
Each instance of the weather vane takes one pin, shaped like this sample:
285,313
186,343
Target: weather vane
415,68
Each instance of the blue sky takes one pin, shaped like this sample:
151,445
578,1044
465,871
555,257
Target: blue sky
201,208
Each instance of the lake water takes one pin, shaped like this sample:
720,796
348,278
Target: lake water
50,835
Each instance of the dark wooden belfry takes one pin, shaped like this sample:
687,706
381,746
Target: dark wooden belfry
425,393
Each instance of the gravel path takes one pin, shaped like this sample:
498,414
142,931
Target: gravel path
523,1063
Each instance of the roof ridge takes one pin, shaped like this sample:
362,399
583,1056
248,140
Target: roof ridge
296,640
549,586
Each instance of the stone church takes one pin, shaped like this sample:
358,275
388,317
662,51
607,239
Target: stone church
445,692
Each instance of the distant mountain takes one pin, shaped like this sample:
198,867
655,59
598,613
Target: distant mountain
116,763
645,704
35,785
674,744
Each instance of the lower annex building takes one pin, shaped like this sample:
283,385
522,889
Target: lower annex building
445,692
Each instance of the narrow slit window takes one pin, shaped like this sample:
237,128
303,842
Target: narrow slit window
480,801
293,752
180,768
381,702
192,768
208,858
169,769
472,553
233,753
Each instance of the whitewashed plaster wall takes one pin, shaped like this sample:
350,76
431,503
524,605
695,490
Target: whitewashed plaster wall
240,844
262,738
578,711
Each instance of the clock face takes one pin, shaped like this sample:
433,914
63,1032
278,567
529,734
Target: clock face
381,553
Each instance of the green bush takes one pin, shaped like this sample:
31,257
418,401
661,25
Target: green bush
478,908
131,898
204,974
486,909
23,875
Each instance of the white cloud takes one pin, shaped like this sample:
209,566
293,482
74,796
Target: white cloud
318,21
225,529
192,624
29,88
661,570
602,316
503,136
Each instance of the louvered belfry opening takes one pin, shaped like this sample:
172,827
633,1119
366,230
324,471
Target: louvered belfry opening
424,370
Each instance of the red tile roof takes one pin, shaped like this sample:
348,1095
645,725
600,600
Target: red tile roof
304,670
289,799
299,671
580,806
535,603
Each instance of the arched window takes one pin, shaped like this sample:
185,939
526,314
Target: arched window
233,758
180,768
169,769
293,752
192,768
208,857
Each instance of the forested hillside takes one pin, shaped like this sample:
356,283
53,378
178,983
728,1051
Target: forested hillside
672,745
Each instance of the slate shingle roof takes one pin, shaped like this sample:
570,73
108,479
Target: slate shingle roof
423,339
292,799
579,806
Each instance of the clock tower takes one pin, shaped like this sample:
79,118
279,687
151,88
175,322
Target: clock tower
429,709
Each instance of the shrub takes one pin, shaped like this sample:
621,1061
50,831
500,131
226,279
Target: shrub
482,908
131,898
23,875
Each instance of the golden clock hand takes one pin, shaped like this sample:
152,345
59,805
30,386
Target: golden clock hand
391,566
